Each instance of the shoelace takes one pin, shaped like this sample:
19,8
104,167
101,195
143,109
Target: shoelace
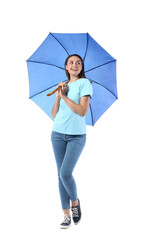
66,219
75,212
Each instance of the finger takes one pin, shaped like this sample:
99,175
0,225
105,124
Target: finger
59,87
60,84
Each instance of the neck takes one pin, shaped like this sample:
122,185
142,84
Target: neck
73,78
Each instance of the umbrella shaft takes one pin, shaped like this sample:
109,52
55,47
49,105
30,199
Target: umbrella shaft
49,94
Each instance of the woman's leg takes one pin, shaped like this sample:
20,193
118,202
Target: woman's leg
75,145
59,147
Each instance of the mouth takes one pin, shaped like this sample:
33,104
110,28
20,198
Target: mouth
74,69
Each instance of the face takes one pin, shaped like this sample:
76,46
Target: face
74,65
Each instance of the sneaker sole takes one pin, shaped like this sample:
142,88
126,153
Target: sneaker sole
76,223
65,227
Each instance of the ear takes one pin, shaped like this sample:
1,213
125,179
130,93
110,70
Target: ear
66,67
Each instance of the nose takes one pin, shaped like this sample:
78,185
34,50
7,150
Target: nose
75,65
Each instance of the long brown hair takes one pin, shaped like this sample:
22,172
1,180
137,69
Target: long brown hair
81,74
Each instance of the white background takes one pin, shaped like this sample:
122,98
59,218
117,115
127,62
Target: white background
110,174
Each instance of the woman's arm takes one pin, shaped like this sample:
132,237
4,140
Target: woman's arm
56,106
81,108
63,90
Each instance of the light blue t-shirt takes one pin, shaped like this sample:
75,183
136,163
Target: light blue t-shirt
66,120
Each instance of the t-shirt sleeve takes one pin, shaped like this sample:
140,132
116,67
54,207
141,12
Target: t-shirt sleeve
86,88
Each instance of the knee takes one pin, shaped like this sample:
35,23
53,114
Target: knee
64,174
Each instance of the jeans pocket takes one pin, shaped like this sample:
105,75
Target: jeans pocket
82,140
53,135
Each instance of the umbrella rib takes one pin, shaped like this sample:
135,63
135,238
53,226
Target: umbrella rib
86,48
100,65
91,114
103,86
46,64
59,43
45,89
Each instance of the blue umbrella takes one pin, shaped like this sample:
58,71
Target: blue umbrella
46,70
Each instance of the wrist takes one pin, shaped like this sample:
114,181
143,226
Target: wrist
64,96
58,97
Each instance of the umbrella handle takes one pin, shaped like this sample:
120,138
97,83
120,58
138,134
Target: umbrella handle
49,94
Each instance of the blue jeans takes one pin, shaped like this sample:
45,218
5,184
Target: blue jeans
67,149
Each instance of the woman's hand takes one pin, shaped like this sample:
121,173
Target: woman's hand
62,89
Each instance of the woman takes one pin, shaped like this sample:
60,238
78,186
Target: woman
69,133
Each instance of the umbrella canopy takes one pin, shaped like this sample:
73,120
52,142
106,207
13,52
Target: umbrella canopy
46,70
